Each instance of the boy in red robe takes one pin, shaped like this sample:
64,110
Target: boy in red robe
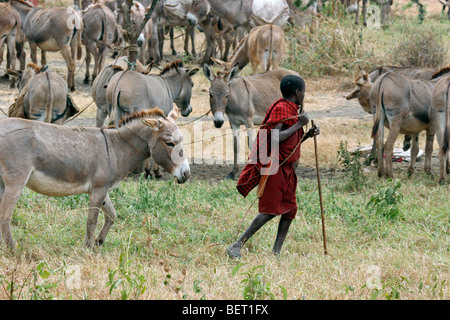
275,173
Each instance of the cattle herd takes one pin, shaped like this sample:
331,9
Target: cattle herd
406,100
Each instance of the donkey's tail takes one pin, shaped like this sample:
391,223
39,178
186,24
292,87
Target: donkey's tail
115,110
79,45
78,32
49,107
271,49
379,107
445,145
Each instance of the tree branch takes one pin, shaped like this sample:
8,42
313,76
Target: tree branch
132,30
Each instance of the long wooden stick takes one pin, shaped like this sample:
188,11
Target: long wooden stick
320,193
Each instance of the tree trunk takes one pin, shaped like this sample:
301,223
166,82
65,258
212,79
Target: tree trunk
132,31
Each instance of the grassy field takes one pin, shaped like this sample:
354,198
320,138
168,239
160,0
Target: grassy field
386,239
169,243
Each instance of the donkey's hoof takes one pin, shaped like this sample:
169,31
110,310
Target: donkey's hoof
234,253
86,81
230,176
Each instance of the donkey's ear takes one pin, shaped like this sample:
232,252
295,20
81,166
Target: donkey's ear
233,73
192,72
43,69
208,72
14,73
154,124
174,114
365,75
225,65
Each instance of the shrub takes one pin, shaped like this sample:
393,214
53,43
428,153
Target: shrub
386,201
334,48
352,164
420,46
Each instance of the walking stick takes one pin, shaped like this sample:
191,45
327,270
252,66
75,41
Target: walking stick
320,194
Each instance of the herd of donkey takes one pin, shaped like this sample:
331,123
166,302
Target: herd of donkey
57,160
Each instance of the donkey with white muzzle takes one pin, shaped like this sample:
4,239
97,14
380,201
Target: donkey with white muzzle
61,161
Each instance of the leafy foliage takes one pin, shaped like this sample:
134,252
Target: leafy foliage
386,201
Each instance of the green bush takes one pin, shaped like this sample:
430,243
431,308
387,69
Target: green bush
420,45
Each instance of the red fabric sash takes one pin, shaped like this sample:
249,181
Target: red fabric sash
251,174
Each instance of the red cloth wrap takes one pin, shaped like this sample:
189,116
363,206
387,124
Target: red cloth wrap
279,194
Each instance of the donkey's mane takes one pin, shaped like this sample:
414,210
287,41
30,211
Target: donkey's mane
153,113
238,47
27,3
33,66
440,72
173,64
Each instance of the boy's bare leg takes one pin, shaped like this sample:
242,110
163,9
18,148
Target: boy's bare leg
234,251
283,228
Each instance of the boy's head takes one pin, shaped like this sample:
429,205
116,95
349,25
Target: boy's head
293,88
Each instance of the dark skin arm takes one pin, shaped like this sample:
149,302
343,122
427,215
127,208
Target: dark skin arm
286,133
303,119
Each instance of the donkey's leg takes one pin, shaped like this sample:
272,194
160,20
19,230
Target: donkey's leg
414,153
364,12
11,43
97,58
2,40
442,166
33,51
357,13
394,130
101,62
2,190
88,66
192,32
10,196
379,142
442,156
110,217
254,67
101,116
43,58
233,172
20,52
70,62
96,200
172,45
428,151
187,36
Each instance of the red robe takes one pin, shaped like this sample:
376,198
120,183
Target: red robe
279,193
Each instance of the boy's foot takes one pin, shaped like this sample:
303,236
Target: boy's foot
233,252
